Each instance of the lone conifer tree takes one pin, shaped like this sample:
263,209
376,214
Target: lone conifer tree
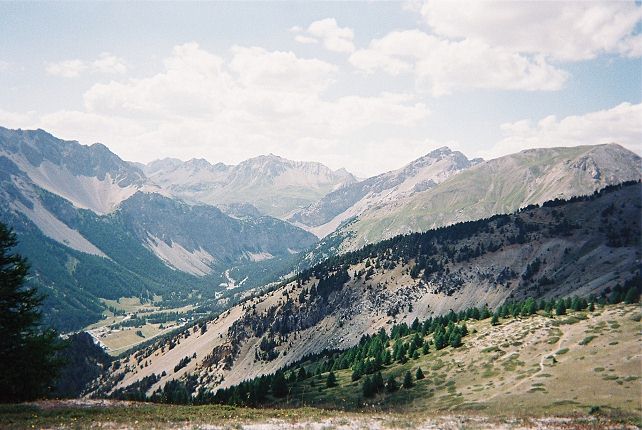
407,380
331,381
28,363
419,374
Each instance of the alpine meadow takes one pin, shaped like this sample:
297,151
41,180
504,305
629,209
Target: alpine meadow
419,214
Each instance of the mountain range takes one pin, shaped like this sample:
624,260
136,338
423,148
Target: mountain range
96,227
457,190
581,246
391,188
274,185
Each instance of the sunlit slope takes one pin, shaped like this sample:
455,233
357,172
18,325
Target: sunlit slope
582,247
502,185
533,366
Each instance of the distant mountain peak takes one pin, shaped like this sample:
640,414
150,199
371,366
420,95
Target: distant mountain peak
198,163
388,188
437,155
444,150
342,171
273,184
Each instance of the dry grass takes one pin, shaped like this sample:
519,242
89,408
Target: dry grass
131,415
514,369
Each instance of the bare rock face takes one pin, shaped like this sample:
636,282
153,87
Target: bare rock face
91,177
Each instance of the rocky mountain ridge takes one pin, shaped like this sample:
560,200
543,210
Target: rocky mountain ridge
91,177
391,188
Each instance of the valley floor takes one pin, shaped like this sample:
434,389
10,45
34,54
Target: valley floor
119,333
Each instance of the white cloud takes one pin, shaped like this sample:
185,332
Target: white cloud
444,66
632,46
23,120
106,63
306,40
67,68
333,37
228,109
621,124
109,64
567,31
280,70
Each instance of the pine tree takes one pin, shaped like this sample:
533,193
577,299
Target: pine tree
576,304
632,296
279,385
367,388
417,340
419,374
356,375
425,349
387,357
615,297
302,374
455,339
495,319
515,311
28,359
377,382
439,340
331,381
560,308
407,380
485,313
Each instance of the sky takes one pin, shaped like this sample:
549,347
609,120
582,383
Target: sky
368,86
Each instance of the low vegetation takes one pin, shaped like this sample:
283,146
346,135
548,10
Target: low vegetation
504,375
471,360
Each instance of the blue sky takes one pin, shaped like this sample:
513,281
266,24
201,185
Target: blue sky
364,85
